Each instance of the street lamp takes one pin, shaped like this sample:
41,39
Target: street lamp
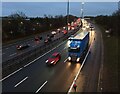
37,23
67,14
82,10
21,22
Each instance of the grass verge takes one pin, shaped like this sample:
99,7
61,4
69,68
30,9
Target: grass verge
111,67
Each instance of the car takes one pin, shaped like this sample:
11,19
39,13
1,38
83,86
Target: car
58,30
22,46
64,27
36,38
52,60
83,28
64,32
51,36
46,41
53,32
91,27
40,38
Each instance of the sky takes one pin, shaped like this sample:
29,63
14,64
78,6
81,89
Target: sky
59,0
39,9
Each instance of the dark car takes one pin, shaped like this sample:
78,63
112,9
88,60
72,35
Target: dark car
91,27
22,46
52,60
40,38
47,40
37,38
51,36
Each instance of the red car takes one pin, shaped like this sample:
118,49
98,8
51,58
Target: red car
36,38
53,59
64,32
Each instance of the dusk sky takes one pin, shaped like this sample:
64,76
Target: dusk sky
58,8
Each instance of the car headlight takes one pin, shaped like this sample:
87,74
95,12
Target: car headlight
83,28
52,62
69,58
78,59
46,61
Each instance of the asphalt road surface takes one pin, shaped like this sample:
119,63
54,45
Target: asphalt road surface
37,77
10,51
89,79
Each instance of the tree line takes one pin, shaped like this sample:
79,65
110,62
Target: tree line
19,25
111,23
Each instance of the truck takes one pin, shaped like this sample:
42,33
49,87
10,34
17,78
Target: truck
77,46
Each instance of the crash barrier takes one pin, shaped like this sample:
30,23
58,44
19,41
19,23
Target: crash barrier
20,60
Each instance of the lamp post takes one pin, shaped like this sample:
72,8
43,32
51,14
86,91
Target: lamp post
67,14
82,9
22,28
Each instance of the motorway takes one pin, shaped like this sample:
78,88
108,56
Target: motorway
37,77
10,51
90,77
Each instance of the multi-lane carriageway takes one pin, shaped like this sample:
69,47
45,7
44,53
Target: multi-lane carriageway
37,77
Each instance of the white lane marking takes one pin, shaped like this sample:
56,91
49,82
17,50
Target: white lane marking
65,48
101,67
41,87
29,63
13,54
34,46
79,69
10,74
43,55
78,72
21,81
7,48
65,60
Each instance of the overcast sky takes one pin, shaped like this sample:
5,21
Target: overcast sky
34,9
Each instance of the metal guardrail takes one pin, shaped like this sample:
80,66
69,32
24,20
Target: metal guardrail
21,60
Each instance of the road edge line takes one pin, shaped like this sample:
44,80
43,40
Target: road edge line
43,54
79,69
11,74
101,67
41,87
78,72
30,62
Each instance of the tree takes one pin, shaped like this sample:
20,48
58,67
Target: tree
18,15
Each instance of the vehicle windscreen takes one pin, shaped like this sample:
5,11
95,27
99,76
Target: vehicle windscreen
74,50
53,56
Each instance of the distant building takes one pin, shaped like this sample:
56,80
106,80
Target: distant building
119,5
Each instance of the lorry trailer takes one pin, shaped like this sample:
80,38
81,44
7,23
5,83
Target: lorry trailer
77,46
